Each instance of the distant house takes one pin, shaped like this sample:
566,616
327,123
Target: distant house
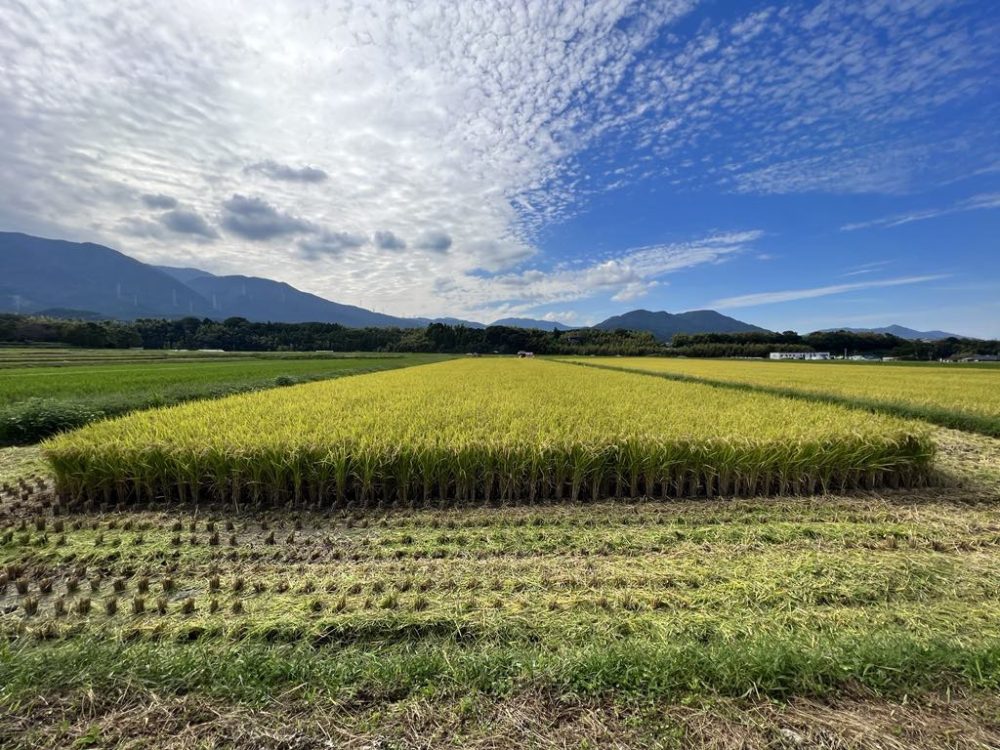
981,358
800,355
522,354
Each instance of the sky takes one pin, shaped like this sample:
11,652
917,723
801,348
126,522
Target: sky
795,165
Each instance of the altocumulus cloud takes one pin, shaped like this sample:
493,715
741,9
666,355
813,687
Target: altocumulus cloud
489,125
255,219
278,171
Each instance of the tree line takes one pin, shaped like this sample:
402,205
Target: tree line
838,343
239,334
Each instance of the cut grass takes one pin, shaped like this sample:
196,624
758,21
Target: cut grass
20,463
131,717
661,614
888,663
653,601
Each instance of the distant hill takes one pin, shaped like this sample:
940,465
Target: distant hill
39,274
664,325
260,299
902,332
541,325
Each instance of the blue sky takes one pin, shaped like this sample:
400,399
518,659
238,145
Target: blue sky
795,165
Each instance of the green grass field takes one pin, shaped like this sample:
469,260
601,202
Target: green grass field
861,620
55,356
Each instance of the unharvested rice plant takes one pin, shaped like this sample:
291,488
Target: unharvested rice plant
483,430
965,397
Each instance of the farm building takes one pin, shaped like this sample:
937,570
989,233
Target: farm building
800,355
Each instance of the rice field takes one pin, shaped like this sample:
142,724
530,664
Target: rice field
484,430
150,379
501,553
45,391
951,395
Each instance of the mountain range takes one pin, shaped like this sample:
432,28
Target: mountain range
902,332
90,281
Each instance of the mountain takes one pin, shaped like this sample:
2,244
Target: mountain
38,274
664,325
84,280
542,325
902,332
57,277
89,281
260,299
183,275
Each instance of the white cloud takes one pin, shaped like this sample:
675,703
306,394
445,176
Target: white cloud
623,277
770,298
866,268
277,171
975,203
838,97
634,290
430,119
482,122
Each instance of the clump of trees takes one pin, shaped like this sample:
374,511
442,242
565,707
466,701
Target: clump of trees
105,334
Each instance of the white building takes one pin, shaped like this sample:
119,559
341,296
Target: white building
800,355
